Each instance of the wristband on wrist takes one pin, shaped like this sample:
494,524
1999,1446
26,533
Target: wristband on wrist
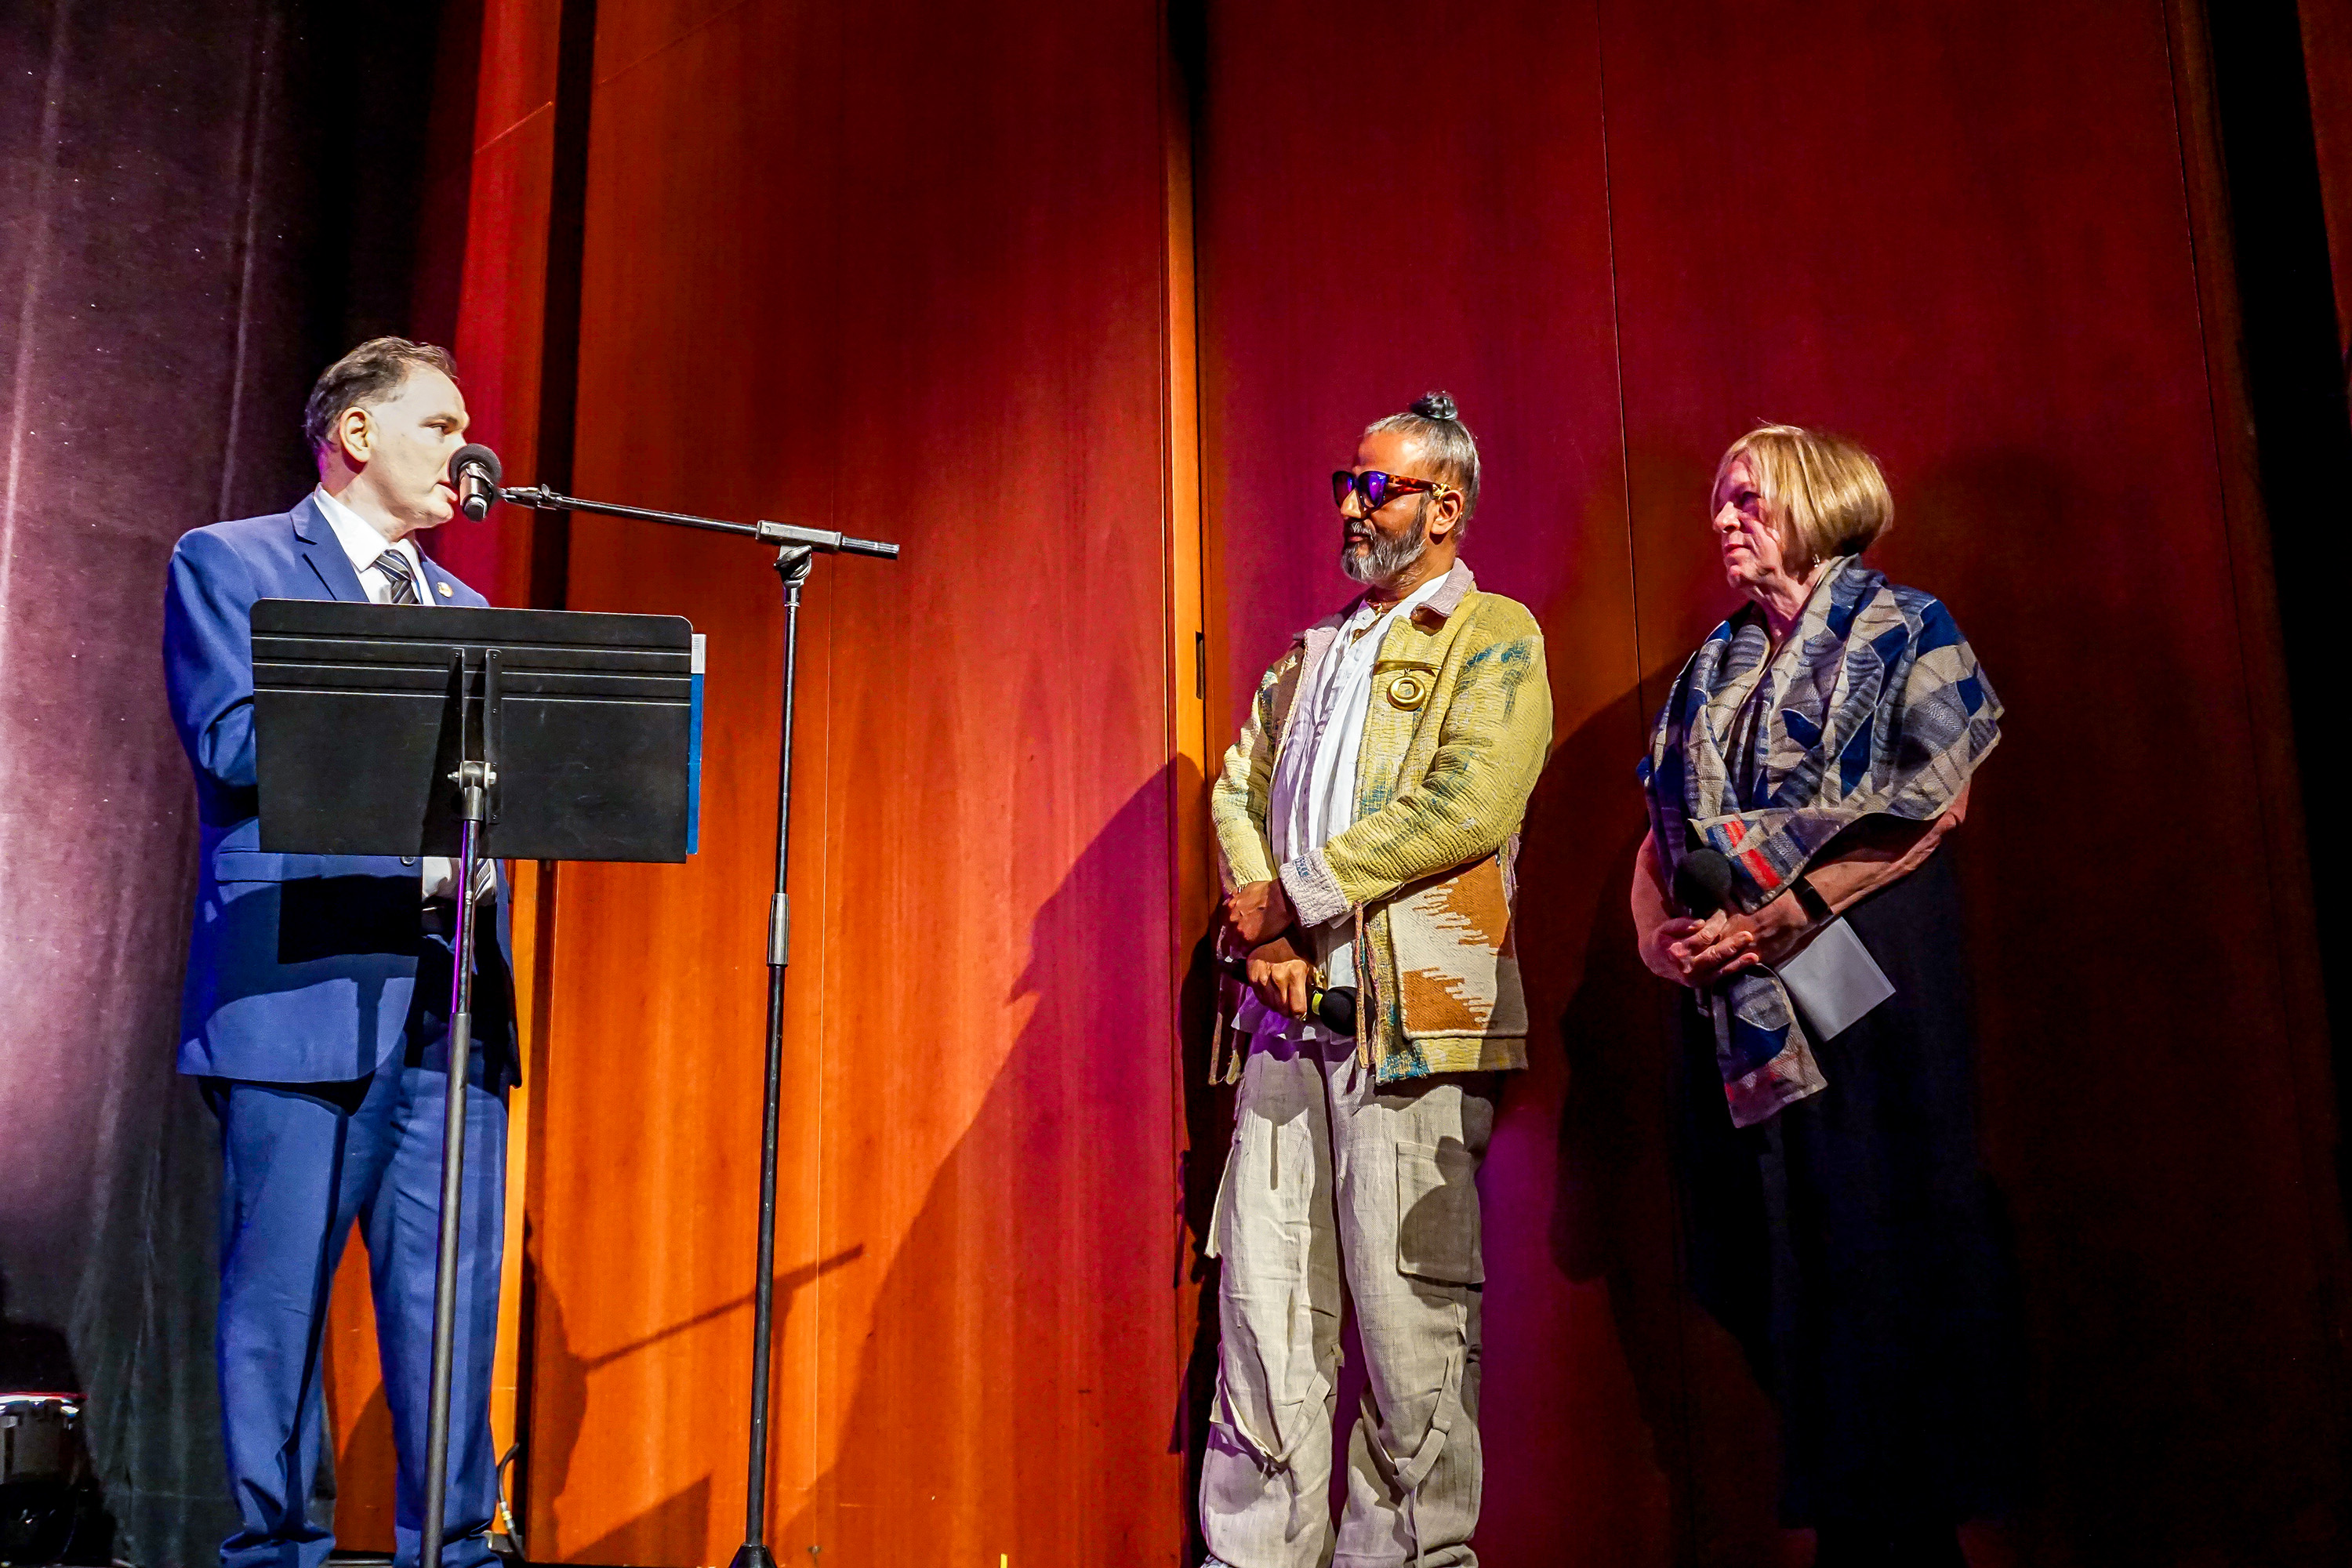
1810,900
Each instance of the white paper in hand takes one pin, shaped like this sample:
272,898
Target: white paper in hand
1834,981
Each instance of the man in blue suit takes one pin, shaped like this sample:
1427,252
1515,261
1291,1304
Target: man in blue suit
318,991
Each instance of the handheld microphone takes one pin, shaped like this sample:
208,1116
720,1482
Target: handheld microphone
1703,886
474,470
1703,882
1334,1009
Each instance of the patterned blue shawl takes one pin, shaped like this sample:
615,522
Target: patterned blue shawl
1873,705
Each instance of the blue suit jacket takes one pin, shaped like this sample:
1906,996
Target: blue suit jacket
302,968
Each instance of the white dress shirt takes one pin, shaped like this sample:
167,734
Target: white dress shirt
364,545
1312,798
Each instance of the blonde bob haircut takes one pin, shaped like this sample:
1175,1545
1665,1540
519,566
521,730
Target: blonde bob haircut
1824,491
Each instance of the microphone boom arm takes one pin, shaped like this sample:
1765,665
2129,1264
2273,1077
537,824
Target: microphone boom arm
473,472
539,498
795,548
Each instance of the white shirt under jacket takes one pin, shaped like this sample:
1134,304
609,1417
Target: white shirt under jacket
1312,798
364,545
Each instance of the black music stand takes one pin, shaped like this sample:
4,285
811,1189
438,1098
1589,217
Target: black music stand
478,734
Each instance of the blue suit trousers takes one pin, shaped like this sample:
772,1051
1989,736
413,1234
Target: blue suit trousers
302,1163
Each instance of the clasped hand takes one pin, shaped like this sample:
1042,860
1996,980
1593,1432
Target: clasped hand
1258,913
1257,920
1702,952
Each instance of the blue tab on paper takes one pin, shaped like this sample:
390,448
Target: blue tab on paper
694,752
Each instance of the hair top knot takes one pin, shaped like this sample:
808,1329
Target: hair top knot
1443,447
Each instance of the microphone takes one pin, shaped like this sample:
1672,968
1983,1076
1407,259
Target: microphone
1334,1009
1703,882
474,470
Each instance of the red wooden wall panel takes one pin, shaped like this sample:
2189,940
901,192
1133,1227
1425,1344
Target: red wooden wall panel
998,948
500,317
856,270
1348,262
697,388
909,272
1964,236
1985,275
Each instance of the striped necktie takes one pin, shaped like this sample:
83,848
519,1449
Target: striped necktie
394,567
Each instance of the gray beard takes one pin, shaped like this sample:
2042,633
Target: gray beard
1388,555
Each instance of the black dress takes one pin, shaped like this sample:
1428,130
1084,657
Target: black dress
1857,1249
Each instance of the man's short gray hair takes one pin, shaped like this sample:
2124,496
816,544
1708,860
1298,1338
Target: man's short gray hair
1435,427
368,374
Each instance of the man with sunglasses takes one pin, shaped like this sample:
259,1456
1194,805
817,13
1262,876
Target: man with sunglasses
1368,819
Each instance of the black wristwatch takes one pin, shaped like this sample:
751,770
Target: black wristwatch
1810,900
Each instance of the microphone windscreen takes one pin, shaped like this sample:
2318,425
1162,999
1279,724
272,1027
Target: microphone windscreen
475,455
1703,882
1336,1010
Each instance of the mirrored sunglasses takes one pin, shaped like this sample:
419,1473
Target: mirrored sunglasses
1375,488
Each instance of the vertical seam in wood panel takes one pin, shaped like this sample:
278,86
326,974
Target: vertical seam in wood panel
1184,595
2176,20
818,1508
1617,346
564,225
2315,23
1186,740
528,895
824,979
562,287
526,890
1684,1533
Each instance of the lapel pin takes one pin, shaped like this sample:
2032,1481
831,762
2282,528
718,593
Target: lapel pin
446,591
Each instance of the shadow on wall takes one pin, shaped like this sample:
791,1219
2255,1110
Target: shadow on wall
1576,1494
1702,1489
683,1516
1019,1344
1016,1352
1711,1428
1208,1134
1616,1219
559,1397
363,1469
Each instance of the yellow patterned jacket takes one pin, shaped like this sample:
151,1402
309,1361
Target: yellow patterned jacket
1459,723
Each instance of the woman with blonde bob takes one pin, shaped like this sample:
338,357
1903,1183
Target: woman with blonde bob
1812,756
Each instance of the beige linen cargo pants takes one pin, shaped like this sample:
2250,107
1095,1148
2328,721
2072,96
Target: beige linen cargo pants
1339,1192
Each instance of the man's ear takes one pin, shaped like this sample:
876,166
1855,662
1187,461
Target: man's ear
354,436
1446,515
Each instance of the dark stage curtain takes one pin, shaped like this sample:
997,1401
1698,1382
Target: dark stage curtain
199,206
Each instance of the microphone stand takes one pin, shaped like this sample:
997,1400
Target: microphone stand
476,777
797,548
